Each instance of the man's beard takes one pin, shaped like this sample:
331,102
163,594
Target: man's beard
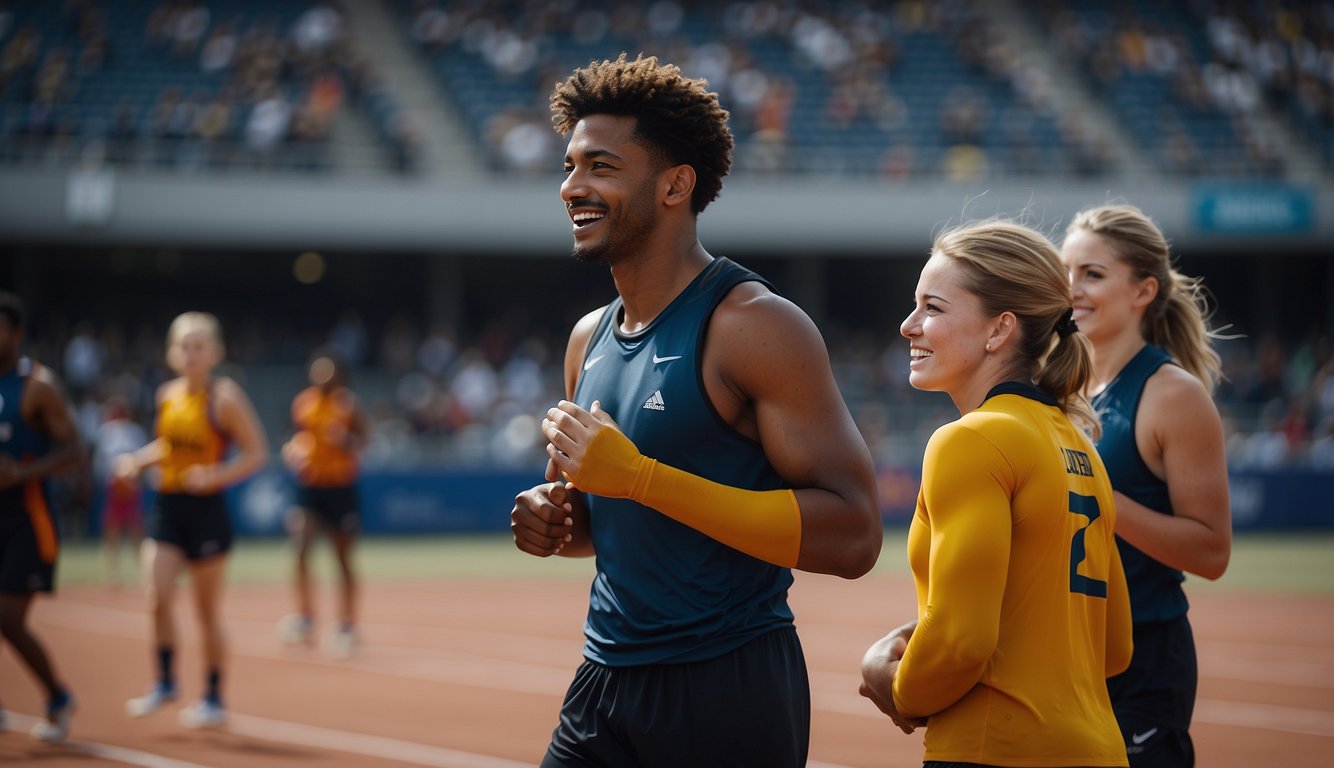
626,231
590,254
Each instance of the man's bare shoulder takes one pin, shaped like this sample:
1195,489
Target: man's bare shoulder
585,325
754,311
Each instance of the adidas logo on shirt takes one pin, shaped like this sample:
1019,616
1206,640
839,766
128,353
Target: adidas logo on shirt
655,403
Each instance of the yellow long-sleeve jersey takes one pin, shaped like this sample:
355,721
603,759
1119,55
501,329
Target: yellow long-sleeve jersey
1023,610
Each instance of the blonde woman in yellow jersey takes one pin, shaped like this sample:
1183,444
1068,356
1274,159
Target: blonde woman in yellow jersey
207,439
1022,609
331,429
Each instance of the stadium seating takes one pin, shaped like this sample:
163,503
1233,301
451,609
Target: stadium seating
901,90
1192,83
909,89
175,85
830,88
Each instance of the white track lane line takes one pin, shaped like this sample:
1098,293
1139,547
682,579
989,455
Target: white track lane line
378,746
15,721
1234,714
362,744
299,734
1271,717
830,691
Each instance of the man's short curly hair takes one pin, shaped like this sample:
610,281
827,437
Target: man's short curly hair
677,116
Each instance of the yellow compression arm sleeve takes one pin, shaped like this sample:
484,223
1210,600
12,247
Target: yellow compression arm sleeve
763,524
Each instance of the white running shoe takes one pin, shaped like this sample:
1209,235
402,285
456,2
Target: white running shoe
295,629
342,642
56,725
152,701
204,713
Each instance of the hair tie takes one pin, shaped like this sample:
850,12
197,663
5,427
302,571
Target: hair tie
1066,325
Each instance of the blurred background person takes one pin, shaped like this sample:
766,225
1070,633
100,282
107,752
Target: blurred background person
37,439
189,529
331,430
122,496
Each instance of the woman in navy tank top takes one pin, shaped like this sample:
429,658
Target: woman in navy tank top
1162,443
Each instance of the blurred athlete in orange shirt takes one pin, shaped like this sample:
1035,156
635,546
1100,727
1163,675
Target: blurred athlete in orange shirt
331,429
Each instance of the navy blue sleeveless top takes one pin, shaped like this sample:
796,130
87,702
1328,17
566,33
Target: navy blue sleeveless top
1155,589
663,592
18,441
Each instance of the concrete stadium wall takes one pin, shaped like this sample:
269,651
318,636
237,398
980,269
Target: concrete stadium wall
786,215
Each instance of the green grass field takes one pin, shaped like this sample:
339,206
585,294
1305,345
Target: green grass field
1293,562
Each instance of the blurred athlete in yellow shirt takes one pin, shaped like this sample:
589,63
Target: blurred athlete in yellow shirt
200,419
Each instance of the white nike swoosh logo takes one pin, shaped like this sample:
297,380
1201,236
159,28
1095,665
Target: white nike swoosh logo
592,361
1140,738
657,359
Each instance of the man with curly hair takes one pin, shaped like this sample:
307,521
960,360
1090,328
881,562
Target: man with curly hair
702,453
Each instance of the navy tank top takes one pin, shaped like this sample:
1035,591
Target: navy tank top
1155,589
663,592
18,441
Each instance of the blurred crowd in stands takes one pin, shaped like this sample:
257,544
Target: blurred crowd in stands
850,87
186,85
901,90
1198,81
439,400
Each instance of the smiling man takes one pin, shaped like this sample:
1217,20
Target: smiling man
704,450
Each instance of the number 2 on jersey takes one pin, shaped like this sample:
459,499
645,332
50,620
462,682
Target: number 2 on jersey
1088,507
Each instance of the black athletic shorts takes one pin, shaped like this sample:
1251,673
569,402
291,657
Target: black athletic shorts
22,568
199,525
747,708
1155,698
336,509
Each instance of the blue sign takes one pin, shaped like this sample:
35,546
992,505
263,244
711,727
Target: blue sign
1259,209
